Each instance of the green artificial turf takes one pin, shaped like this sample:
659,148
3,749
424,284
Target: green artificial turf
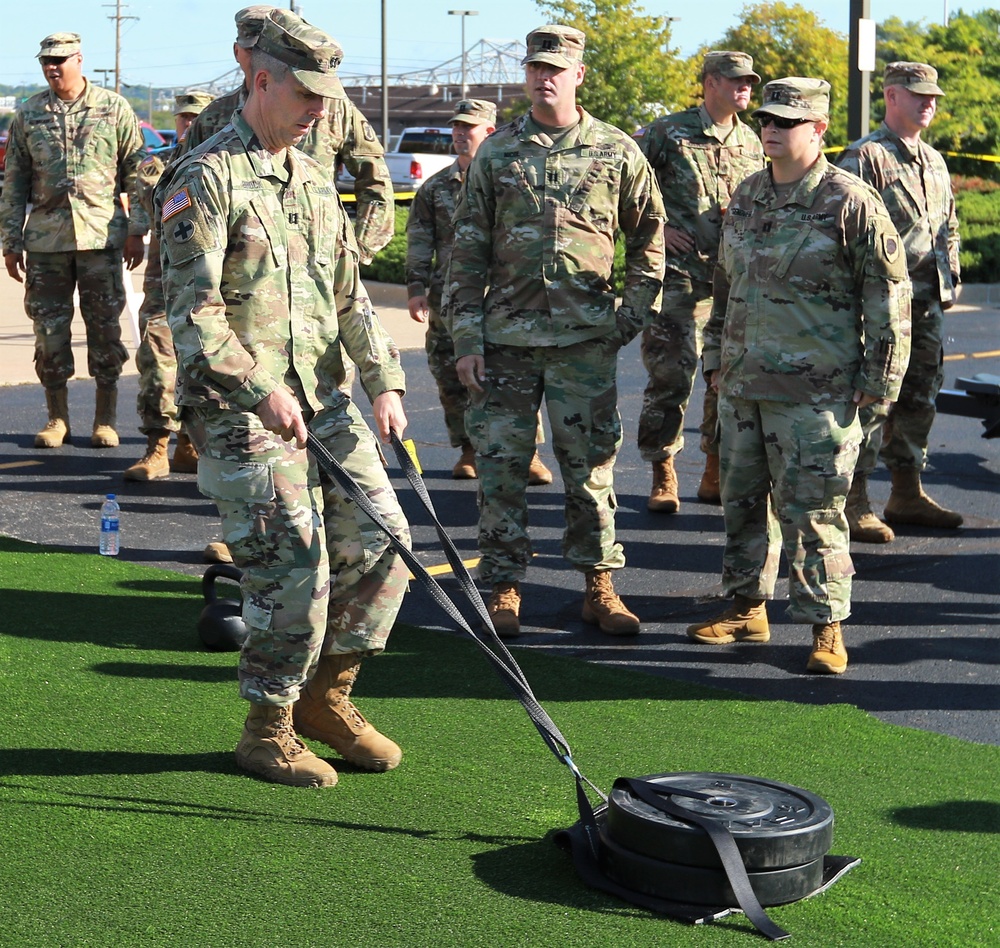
125,822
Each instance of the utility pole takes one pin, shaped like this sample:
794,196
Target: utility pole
463,14
118,17
861,62
105,73
385,80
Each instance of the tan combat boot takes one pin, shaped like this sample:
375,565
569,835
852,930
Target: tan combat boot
538,474
105,418
325,713
603,608
828,654
217,552
56,431
185,459
270,748
663,497
744,621
909,504
153,464
465,466
504,608
865,526
708,489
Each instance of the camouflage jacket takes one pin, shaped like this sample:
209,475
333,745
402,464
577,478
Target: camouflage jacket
430,234
345,137
260,274
698,171
71,167
916,188
811,300
535,238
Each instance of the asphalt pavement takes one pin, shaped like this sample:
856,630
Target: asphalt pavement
923,638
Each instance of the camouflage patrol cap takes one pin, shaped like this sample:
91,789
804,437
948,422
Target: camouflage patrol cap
917,77
192,102
249,23
59,44
475,112
312,55
559,45
796,97
729,63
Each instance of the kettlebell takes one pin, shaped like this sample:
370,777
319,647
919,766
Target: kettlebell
220,625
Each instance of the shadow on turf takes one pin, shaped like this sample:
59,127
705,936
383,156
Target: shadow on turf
951,816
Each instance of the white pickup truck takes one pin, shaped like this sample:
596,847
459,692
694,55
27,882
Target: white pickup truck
418,153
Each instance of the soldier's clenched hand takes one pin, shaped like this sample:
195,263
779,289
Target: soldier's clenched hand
280,413
14,262
471,371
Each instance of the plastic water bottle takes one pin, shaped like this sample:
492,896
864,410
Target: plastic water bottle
109,526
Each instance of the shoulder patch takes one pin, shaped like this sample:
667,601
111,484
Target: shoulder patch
176,203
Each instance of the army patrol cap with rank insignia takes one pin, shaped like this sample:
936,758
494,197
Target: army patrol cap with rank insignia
192,102
557,45
59,44
249,23
312,55
916,77
729,63
475,112
796,97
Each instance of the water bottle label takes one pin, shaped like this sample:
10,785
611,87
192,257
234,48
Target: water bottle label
109,524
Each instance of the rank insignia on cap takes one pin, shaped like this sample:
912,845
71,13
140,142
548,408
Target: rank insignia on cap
175,204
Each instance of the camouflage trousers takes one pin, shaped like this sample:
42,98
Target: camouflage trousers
452,393
785,470
157,364
903,430
671,349
579,385
319,577
50,279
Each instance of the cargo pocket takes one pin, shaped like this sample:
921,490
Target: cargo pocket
824,472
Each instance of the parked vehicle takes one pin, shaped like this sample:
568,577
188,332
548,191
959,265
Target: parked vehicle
155,142
3,156
418,153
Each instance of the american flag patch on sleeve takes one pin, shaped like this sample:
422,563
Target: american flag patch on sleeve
175,204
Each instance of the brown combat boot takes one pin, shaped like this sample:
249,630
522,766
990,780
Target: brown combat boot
56,431
217,552
153,464
465,466
326,713
185,459
270,748
504,608
828,656
538,474
744,621
865,526
602,606
663,497
105,418
708,489
909,504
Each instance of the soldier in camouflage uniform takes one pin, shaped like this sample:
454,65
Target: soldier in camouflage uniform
72,150
809,325
155,358
532,310
699,155
342,136
260,274
913,180
429,236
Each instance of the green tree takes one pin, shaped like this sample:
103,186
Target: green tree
786,39
633,75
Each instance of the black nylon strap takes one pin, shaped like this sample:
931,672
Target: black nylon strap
511,673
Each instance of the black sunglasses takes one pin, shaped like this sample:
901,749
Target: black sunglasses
54,60
780,122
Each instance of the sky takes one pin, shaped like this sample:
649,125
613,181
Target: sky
183,43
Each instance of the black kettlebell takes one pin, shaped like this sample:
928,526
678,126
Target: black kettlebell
220,625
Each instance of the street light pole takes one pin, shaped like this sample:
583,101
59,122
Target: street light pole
463,14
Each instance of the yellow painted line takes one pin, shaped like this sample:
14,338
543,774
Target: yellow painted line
444,568
958,356
7,467
954,358
986,355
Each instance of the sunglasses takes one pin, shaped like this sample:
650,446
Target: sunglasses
54,60
779,122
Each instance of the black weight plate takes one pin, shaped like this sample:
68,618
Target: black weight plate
694,884
774,825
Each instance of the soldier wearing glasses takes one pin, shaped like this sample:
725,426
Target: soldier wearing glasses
809,325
